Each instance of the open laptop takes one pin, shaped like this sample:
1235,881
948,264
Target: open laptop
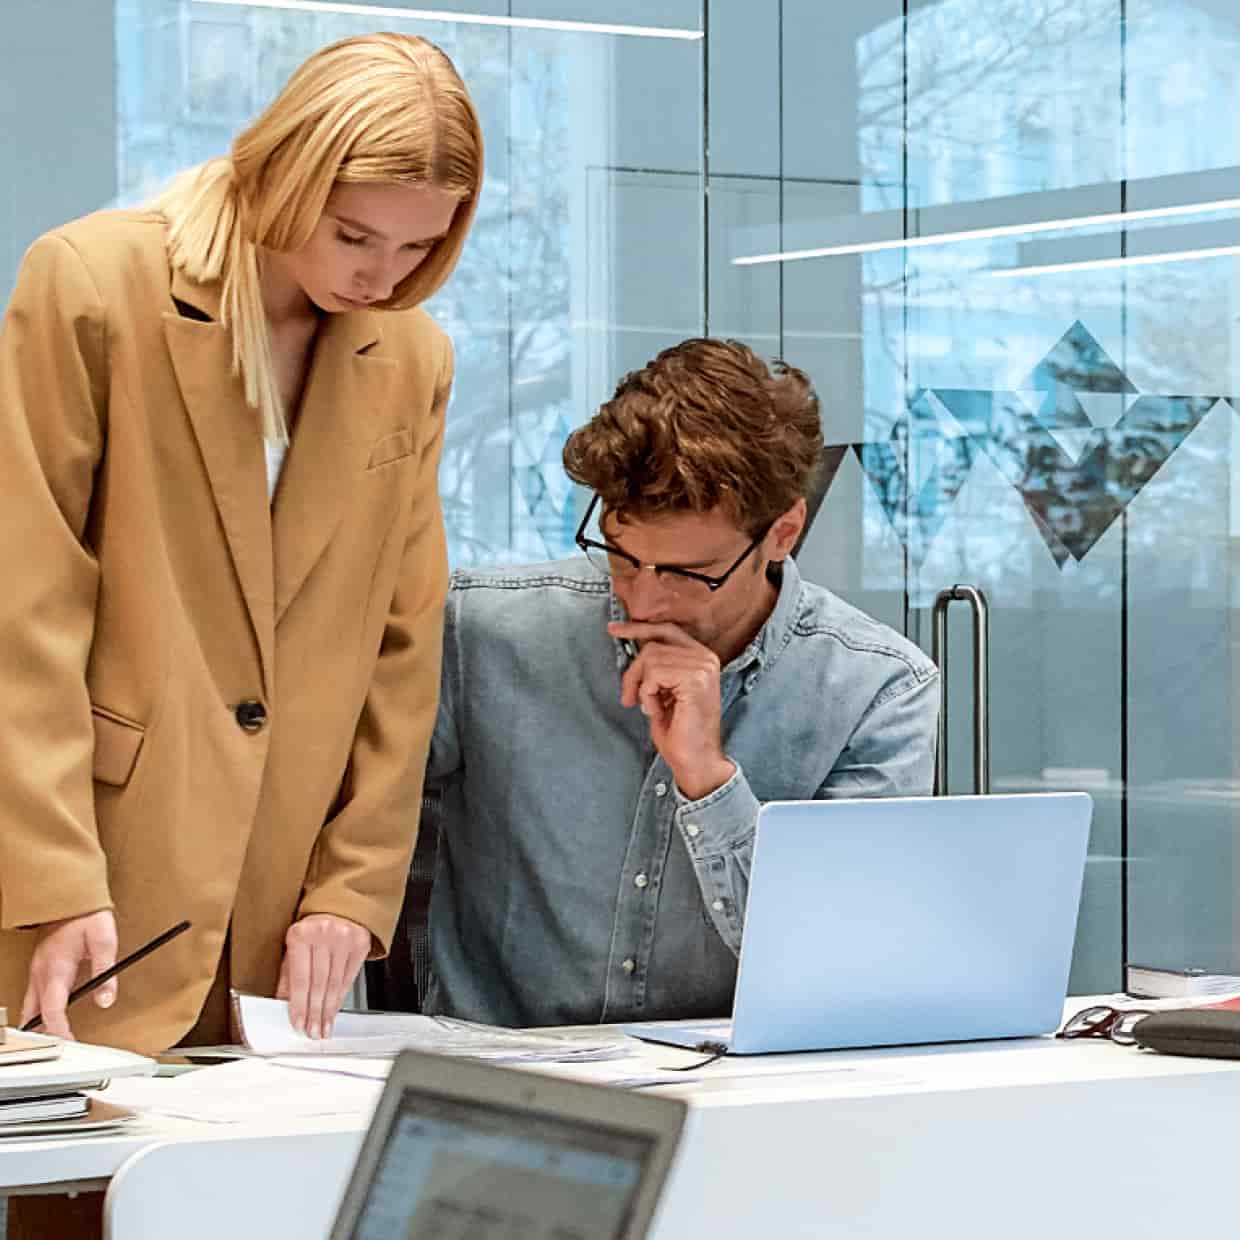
458,1148
899,921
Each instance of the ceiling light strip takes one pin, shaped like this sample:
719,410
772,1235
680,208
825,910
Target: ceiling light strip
1100,264
1000,230
467,19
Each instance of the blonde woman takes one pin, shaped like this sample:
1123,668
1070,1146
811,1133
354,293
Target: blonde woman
223,556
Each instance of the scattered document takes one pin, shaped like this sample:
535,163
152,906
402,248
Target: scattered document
339,1065
247,1091
629,1073
637,1071
265,1030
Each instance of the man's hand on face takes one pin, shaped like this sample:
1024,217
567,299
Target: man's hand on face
675,681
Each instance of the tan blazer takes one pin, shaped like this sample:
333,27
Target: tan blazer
148,591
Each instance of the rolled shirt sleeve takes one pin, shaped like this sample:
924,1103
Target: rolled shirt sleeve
718,832
890,753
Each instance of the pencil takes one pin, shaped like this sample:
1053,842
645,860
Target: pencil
108,974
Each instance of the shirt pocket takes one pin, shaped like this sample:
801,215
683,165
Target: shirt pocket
117,743
393,447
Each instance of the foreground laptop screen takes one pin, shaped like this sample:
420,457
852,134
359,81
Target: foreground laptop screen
453,1170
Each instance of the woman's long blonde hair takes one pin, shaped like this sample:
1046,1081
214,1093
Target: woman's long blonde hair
379,108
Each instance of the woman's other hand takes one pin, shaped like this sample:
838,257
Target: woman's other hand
322,954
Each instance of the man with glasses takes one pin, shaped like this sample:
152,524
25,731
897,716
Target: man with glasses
609,725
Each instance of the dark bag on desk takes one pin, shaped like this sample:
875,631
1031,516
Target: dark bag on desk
1209,1032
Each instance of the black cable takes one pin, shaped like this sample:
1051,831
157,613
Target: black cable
713,1051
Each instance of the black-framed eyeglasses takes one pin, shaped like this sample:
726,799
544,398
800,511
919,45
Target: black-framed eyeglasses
1102,1021
619,565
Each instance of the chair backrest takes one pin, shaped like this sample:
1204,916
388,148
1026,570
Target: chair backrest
398,982
417,909
280,1188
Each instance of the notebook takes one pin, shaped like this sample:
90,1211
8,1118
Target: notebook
98,1117
901,921
461,1148
18,1047
55,1106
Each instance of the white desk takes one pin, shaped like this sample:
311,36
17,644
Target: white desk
1018,1139
1021,1141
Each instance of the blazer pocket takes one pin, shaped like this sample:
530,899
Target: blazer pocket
117,742
391,448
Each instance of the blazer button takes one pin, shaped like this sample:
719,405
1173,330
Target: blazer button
251,715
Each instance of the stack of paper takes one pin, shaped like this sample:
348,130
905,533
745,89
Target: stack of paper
1147,982
265,1030
41,1096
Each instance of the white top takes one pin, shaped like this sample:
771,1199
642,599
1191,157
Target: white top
276,452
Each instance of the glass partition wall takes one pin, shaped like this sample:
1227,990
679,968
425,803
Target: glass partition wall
1001,237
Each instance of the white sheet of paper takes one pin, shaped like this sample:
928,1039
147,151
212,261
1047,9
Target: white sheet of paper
267,1031
629,1073
636,1071
248,1090
362,1066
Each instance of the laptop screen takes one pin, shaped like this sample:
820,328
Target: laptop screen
456,1170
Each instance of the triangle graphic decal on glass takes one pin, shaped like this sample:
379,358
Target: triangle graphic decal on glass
917,514
1104,408
1060,410
1072,441
1080,363
832,455
1076,500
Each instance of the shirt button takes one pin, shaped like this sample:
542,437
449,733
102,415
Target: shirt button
660,789
641,881
692,830
251,715
629,965
717,905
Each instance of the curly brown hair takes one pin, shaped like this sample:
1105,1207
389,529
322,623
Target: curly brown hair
706,424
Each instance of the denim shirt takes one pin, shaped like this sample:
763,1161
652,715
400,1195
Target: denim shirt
574,883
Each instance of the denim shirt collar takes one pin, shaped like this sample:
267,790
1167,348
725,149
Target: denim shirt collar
768,643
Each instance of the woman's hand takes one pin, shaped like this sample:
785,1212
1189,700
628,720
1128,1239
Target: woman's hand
322,954
62,947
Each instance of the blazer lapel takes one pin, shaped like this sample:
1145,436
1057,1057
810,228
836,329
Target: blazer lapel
231,443
344,394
